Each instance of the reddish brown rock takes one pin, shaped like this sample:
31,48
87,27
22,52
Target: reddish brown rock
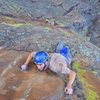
30,85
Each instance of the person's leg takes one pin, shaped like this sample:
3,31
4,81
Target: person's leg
60,45
64,50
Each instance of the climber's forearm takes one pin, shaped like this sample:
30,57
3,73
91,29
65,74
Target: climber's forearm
72,76
29,58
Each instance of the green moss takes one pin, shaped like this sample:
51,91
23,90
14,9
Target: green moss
18,24
88,88
46,28
76,65
80,75
60,24
91,95
80,72
94,72
15,25
29,24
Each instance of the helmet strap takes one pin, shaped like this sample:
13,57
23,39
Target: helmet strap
45,66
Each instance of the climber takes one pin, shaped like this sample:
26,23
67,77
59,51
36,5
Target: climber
57,62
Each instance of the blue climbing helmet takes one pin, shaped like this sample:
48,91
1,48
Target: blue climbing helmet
41,57
66,53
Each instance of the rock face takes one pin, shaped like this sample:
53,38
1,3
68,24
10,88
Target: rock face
78,15
17,85
34,85
95,32
27,37
32,25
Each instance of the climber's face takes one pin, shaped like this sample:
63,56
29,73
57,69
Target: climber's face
40,66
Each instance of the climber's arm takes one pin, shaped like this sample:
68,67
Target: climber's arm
30,56
72,76
25,65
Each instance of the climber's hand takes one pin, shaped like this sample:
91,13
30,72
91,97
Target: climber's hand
68,90
23,67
